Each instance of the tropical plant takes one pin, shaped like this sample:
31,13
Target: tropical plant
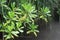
9,26
30,11
44,13
33,29
15,19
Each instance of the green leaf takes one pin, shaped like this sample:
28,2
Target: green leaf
20,30
37,31
13,6
7,36
33,29
41,16
46,10
3,1
18,13
35,34
11,26
2,30
28,31
46,19
15,33
28,20
28,7
23,18
15,19
18,24
33,26
11,14
17,9
7,22
33,15
49,14
7,7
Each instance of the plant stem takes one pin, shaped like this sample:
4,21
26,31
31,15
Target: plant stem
3,35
